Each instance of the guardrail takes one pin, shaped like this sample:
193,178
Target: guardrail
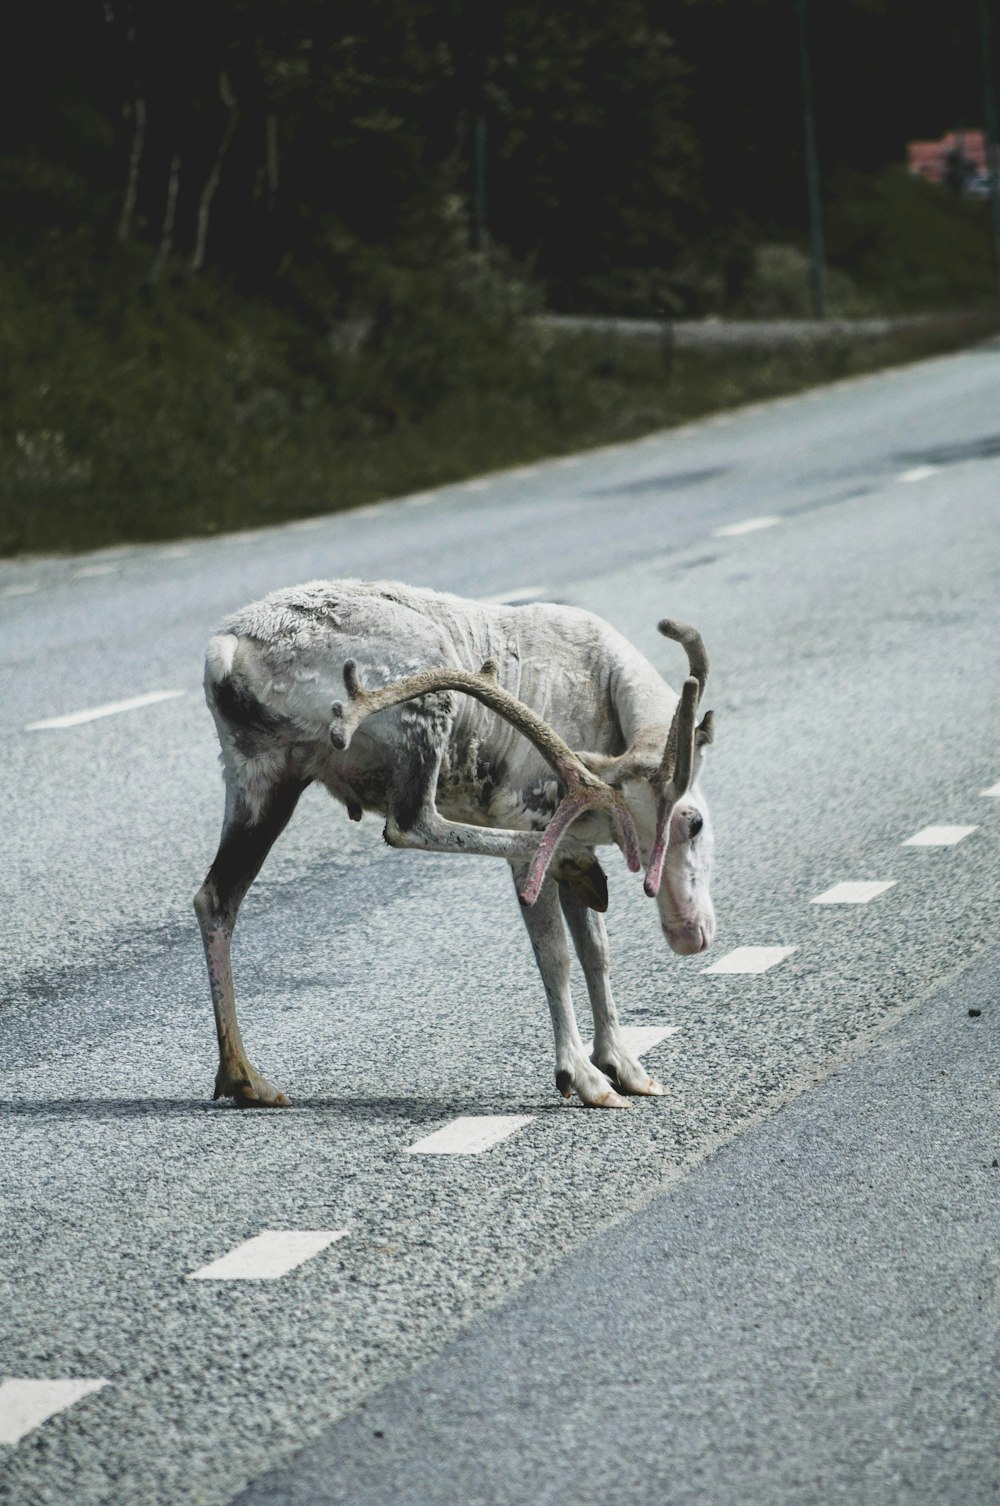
708,334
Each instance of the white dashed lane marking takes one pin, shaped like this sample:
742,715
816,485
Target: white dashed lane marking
268,1255
748,525
994,789
112,708
939,836
514,598
470,1135
640,1038
853,892
25,588
751,959
26,1404
918,473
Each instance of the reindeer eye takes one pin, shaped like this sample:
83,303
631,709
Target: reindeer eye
695,825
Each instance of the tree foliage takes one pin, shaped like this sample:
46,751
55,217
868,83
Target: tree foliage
318,152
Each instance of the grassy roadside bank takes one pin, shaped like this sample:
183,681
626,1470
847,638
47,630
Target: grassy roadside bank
203,414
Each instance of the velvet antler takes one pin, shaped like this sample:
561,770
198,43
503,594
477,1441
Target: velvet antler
584,791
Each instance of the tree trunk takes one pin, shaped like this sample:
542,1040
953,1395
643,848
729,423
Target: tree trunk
134,108
134,164
197,258
167,231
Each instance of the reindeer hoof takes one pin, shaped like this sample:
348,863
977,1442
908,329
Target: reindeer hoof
652,1089
610,1100
249,1090
628,1075
639,1084
590,1083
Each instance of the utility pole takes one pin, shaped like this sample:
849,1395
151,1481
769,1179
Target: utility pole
817,261
990,113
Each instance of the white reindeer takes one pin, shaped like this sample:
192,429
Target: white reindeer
481,772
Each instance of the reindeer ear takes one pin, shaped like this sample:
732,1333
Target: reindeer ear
705,730
588,882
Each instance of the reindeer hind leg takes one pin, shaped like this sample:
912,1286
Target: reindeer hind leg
248,835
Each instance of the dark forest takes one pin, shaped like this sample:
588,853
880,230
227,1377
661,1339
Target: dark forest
350,209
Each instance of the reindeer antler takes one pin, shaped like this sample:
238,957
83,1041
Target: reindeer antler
672,779
585,791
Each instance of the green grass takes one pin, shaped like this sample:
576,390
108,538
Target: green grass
197,412
908,245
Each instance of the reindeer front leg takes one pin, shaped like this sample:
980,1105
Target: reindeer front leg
430,832
413,820
574,1073
610,1054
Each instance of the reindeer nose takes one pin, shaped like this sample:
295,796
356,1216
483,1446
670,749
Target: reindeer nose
687,940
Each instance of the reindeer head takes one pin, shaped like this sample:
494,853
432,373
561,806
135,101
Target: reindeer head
649,793
658,777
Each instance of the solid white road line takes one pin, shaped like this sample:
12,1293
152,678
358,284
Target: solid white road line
90,570
94,713
853,892
751,959
420,499
748,525
479,485
994,789
640,1038
26,1404
470,1135
939,836
175,552
918,473
268,1255
24,589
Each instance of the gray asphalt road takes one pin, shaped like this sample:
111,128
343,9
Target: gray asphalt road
855,654
729,1343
